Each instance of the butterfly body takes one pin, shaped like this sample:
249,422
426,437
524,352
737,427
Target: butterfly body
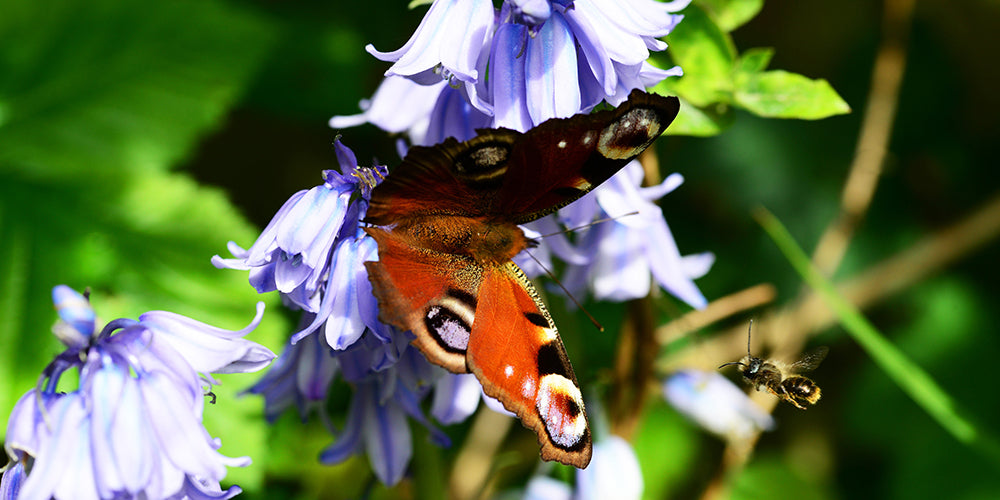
448,218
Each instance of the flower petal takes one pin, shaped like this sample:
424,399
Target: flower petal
507,78
206,348
455,398
552,89
387,440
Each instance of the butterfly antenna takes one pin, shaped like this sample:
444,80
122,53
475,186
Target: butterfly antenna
748,336
594,223
570,295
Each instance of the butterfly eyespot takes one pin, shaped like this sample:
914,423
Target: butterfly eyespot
466,297
561,144
485,162
561,406
630,135
450,330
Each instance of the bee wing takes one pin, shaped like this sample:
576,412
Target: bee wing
810,360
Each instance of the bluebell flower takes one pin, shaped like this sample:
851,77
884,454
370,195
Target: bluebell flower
627,254
313,250
446,45
547,488
385,397
10,482
613,473
300,377
545,59
133,426
518,66
715,403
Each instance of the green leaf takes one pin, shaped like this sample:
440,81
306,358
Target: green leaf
780,94
93,87
662,428
910,377
706,53
754,60
701,122
731,14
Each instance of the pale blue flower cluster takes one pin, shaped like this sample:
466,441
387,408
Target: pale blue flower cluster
313,253
715,403
613,473
133,426
474,65
470,66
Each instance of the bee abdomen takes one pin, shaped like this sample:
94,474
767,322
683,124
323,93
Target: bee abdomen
802,389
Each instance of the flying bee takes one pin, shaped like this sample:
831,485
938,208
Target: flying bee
780,379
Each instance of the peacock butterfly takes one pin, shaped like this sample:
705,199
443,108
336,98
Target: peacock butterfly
449,216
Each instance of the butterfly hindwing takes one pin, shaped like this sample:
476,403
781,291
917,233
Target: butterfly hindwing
516,352
430,293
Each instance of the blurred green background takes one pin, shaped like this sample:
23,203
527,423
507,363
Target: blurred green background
137,138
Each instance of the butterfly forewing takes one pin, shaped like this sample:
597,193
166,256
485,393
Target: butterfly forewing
522,177
452,178
561,160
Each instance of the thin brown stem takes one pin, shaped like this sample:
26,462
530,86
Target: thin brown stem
471,472
858,191
715,311
634,367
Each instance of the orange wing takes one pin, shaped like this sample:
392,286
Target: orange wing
490,321
433,294
516,353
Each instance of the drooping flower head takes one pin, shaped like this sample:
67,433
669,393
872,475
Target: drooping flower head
133,426
527,62
517,66
715,403
313,253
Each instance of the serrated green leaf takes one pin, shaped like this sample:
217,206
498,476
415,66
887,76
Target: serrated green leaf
700,122
754,60
705,53
731,14
100,86
780,94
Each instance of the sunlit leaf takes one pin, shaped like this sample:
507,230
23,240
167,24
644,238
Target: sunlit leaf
780,94
731,14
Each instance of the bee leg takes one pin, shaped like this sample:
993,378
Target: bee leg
791,399
796,403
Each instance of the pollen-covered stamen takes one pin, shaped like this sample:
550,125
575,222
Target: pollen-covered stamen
560,405
368,178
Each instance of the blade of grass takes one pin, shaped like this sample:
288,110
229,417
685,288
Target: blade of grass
913,380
